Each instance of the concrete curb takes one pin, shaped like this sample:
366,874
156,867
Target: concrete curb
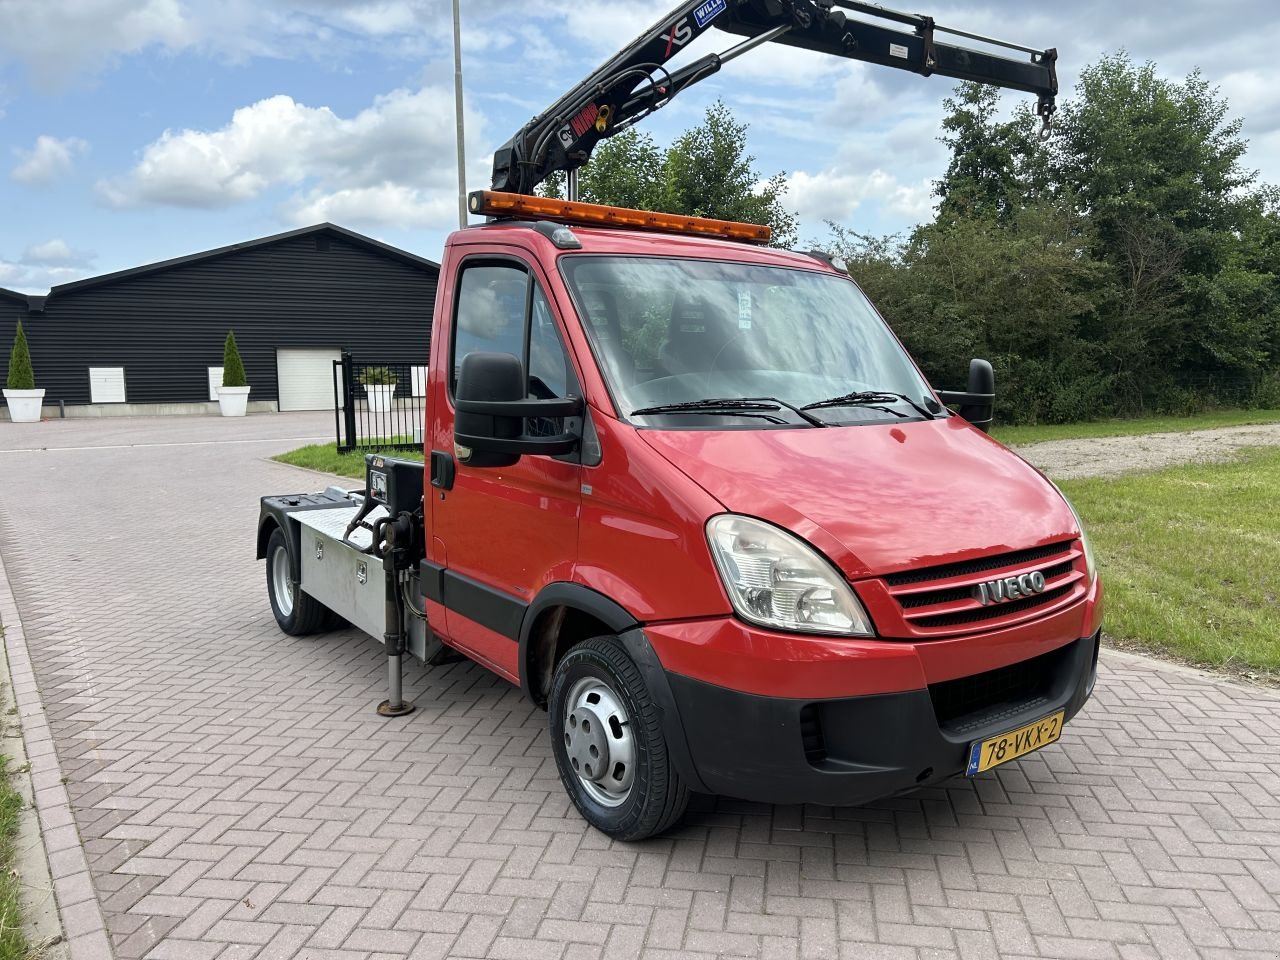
39,908
1197,673
79,912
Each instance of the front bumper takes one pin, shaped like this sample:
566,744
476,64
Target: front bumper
851,750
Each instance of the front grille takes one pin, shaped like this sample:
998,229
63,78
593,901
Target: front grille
947,570
996,610
953,602
1005,692
911,600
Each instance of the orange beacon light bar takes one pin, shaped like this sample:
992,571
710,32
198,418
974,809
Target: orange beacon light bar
491,203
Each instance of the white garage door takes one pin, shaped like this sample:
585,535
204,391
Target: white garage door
306,378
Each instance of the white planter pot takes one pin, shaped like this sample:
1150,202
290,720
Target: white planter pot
233,401
380,396
24,405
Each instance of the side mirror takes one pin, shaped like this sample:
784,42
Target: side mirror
490,410
979,400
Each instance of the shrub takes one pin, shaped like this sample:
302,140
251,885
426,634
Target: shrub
377,377
1267,394
21,376
232,365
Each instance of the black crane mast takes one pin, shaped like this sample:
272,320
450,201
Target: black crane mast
635,81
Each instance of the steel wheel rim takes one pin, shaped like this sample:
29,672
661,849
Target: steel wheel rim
281,582
599,745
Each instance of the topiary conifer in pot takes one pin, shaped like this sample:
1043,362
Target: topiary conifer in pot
233,395
379,387
20,392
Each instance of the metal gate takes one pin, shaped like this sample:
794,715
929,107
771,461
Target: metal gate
386,404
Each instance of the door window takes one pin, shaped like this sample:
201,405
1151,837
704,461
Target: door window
492,304
502,309
550,374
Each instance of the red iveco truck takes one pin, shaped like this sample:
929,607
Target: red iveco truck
692,495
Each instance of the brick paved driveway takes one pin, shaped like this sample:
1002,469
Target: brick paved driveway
238,798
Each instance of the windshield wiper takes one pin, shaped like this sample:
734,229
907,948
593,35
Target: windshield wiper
738,406
871,398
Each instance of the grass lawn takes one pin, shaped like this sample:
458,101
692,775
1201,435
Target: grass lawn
326,458
1190,557
1012,436
13,944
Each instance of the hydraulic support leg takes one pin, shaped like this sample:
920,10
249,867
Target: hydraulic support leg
395,705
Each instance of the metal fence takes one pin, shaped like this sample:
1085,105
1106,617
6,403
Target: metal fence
378,406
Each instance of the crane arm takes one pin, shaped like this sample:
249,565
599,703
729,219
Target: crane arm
636,81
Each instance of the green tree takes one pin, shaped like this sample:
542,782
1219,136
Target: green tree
1156,165
21,376
625,171
1131,263
1018,292
706,172
232,366
995,165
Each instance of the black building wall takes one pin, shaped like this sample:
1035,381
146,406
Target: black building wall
13,307
322,287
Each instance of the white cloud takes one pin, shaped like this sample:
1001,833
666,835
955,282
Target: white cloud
383,205
44,265
837,196
48,160
392,163
56,253
380,19
57,38
27,278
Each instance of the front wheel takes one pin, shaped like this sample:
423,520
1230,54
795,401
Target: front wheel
606,734
297,613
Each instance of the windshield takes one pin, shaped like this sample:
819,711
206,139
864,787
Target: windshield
668,331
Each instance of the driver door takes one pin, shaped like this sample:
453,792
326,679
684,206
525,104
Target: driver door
504,533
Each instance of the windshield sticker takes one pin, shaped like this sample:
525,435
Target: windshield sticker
709,11
744,310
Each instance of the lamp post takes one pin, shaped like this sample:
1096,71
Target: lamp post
457,93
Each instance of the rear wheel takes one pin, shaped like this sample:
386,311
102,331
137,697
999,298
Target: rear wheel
297,613
607,738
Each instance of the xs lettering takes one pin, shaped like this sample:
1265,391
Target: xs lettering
1010,588
681,33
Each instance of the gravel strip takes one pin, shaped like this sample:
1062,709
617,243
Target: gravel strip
1112,456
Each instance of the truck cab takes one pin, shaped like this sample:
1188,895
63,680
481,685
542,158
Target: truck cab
692,495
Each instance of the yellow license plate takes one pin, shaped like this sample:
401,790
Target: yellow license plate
992,752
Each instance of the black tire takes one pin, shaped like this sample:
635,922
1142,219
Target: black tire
657,797
305,614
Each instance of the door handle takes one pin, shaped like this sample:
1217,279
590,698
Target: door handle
442,470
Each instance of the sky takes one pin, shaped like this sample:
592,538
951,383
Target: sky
133,131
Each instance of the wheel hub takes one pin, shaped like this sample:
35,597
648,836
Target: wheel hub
282,581
598,742
588,749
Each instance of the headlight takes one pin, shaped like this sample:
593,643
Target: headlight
1090,566
779,581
